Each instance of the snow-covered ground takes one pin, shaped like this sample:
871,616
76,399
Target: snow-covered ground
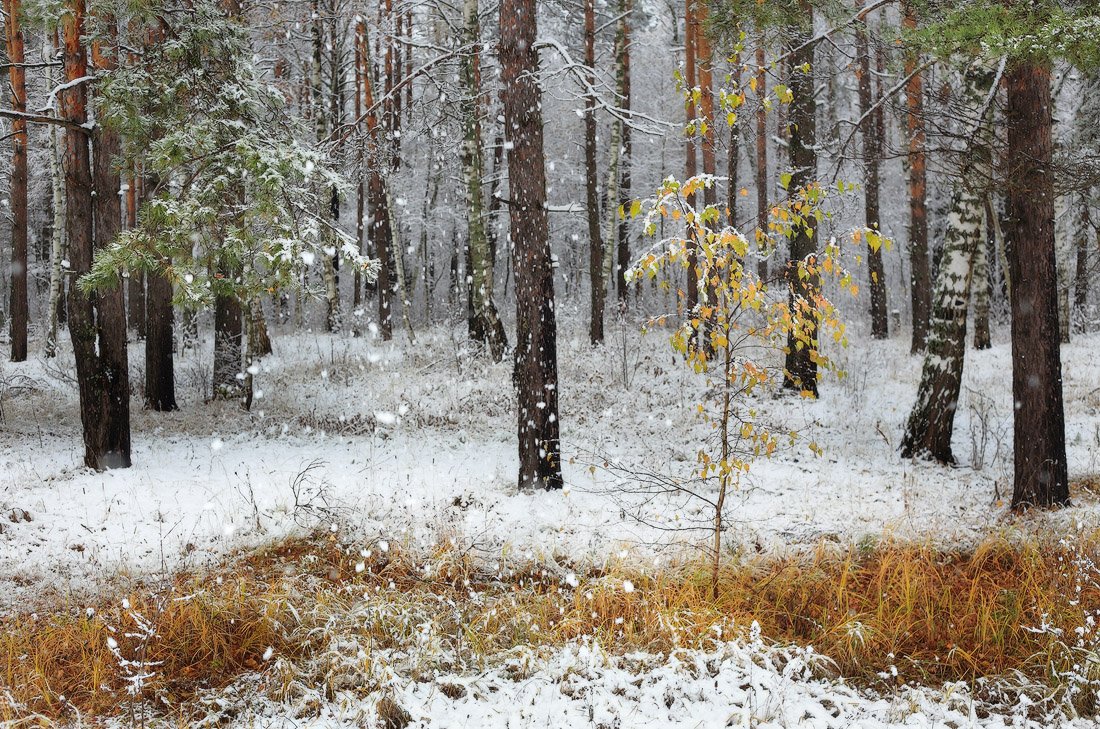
741,683
415,442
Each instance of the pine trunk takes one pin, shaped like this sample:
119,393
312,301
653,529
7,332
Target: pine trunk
623,247
591,186
135,284
106,437
536,376
17,80
920,276
870,128
1040,478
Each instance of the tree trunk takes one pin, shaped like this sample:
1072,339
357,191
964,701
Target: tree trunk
870,128
931,422
691,163
57,252
381,234
1040,478
486,320
920,277
17,80
1081,283
623,247
979,282
800,370
1063,252
536,375
106,438
591,186
360,187
160,378
228,333
135,284
110,303
761,160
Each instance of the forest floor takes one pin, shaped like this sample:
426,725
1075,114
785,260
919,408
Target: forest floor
411,444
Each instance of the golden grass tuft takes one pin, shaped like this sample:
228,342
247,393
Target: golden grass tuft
933,615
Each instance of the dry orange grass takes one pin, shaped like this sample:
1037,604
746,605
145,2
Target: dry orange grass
934,615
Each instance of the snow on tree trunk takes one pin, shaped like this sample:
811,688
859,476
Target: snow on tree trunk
58,238
931,421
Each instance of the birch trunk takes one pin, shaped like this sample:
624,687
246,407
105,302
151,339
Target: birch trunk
931,421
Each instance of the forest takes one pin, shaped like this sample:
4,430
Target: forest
558,363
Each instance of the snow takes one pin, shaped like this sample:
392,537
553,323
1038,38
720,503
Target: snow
210,478
742,683
413,444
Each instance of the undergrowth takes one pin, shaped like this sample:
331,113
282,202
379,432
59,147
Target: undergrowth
310,617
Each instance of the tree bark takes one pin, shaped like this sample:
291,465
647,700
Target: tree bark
536,375
1040,478
135,284
761,161
870,129
691,163
800,370
17,79
106,437
979,282
228,334
591,186
1081,282
487,324
931,422
623,248
381,233
920,276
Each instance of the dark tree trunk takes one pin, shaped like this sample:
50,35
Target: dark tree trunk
228,331
110,303
1081,283
160,379
381,232
17,79
800,367
623,253
106,437
135,284
1040,478
870,128
595,241
536,367
761,160
920,276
